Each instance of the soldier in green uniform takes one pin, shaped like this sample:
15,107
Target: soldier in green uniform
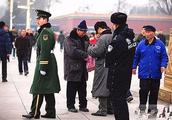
46,80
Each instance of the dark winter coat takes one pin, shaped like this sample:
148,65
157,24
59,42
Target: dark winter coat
74,55
162,38
61,38
100,75
46,61
5,43
119,58
32,39
22,45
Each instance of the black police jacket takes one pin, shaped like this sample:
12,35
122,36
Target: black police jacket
119,57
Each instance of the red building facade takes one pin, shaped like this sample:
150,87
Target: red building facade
68,22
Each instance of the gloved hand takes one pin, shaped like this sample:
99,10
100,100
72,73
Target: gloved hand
43,73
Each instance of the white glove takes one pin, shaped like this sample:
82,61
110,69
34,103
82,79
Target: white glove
43,72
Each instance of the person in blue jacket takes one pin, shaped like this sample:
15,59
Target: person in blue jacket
152,59
5,49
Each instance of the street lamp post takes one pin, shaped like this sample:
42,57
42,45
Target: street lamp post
11,14
28,15
27,7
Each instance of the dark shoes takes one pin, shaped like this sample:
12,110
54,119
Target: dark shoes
99,113
4,80
26,73
152,113
48,116
110,112
29,116
74,110
84,109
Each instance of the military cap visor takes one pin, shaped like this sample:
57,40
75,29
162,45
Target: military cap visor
41,13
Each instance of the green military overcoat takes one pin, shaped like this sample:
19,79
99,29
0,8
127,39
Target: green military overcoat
46,61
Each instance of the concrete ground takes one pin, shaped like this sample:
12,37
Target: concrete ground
15,99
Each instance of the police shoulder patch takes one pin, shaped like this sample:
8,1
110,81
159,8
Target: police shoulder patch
45,37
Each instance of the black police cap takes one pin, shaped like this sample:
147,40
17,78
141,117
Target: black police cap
41,13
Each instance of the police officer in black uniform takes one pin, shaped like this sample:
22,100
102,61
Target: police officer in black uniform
119,59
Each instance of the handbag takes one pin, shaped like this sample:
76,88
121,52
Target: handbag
90,64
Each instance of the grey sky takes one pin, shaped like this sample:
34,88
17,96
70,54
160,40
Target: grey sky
70,6
95,6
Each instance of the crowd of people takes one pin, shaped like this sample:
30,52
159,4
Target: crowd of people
115,52
19,43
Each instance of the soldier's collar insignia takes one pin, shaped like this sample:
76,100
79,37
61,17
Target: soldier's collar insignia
45,37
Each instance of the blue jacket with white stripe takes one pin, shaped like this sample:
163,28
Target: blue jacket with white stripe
150,58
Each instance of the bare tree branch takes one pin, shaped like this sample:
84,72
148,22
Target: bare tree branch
165,6
120,5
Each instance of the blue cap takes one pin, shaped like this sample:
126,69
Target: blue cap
82,26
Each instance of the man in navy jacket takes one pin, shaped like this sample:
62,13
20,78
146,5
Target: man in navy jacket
151,57
5,50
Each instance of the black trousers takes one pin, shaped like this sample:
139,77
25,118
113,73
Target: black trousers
149,88
14,51
4,67
119,103
29,54
105,104
128,93
72,88
22,61
37,103
61,46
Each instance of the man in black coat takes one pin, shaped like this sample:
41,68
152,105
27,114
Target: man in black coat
119,59
5,49
22,45
60,40
75,67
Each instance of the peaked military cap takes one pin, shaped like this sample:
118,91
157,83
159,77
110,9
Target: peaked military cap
41,13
